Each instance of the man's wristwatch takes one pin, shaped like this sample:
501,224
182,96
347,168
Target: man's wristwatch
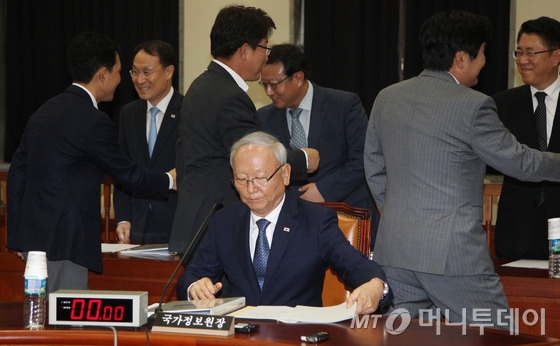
385,290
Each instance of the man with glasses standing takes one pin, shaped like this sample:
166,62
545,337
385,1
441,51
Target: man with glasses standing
304,114
216,112
524,208
273,247
148,135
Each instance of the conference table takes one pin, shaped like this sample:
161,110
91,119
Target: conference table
270,333
527,290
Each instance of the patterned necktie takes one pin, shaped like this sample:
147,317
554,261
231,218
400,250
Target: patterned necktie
540,121
260,259
298,140
153,130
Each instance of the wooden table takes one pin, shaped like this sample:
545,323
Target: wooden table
526,289
120,273
531,290
270,333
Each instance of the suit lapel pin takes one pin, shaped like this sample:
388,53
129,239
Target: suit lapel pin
172,116
286,229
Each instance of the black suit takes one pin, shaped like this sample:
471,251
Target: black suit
151,217
521,226
215,113
53,183
337,130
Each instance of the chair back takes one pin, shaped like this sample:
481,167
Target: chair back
355,223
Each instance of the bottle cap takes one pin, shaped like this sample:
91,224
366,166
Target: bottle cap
36,264
554,228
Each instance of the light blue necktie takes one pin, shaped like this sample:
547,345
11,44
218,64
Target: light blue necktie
260,259
297,141
153,130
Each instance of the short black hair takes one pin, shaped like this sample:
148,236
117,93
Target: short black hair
546,28
88,52
292,57
158,48
446,33
237,25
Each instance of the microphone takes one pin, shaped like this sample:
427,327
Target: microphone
200,231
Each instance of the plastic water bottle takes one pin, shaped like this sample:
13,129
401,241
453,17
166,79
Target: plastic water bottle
554,248
35,295
554,259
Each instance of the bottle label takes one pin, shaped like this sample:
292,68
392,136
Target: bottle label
35,286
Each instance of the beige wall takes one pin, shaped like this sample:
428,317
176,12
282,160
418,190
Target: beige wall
199,15
198,18
521,11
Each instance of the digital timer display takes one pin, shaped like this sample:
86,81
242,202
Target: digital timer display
94,309
98,308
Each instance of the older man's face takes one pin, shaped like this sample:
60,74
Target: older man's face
255,161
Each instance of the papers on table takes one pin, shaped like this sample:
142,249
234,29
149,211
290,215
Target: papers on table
106,247
300,313
154,251
525,263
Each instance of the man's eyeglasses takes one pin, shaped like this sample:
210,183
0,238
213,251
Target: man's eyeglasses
517,54
272,86
267,49
135,73
261,182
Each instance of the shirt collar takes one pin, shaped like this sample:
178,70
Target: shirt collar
552,90
164,103
234,74
89,93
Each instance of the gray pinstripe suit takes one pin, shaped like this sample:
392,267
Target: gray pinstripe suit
427,144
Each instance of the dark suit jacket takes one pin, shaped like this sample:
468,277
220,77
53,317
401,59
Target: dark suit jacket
337,130
215,113
134,207
517,210
306,241
53,182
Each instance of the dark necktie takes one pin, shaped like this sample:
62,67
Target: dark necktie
153,130
262,249
540,121
297,141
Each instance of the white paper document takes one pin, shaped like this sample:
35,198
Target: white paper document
150,251
107,247
300,313
525,263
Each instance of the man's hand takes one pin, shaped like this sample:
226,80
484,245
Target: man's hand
204,289
173,174
313,159
20,255
367,297
123,232
311,193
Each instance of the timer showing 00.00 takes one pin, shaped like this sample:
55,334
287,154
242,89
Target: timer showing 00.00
94,309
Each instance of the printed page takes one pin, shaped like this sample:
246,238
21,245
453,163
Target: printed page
300,313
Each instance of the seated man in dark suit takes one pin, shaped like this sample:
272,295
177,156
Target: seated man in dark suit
273,247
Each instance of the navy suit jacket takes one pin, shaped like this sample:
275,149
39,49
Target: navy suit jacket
337,130
215,113
306,241
53,182
517,210
134,207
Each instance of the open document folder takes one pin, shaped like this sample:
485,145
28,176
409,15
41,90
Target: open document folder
300,313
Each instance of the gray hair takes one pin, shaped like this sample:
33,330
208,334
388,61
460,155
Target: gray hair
263,139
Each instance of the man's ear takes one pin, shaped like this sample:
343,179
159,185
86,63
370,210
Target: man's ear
556,57
459,59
